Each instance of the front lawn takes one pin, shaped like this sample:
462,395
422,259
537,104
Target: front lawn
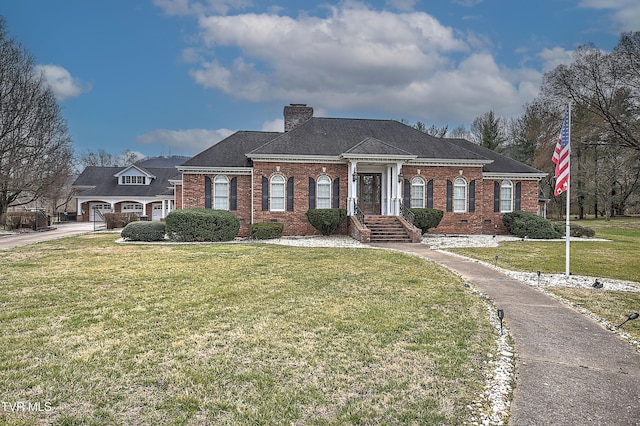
95,332
616,258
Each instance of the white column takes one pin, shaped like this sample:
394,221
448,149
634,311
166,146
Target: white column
352,188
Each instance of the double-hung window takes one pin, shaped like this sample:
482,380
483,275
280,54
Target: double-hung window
417,193
506,196
221,193
459,195
277,193
323,195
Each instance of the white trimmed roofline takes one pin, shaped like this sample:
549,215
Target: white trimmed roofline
514,176
215,170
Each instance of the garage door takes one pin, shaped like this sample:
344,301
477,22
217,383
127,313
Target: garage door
157,211
101,207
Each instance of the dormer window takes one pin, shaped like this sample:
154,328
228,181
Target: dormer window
133,180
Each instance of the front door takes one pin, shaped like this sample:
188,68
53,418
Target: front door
369,192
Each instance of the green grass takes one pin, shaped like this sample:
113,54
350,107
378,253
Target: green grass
617,258
108,333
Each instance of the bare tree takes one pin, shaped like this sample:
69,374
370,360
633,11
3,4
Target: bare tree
102,158
606,85
35,148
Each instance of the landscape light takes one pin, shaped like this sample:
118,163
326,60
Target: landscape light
496,262
501,317
631,317
538,273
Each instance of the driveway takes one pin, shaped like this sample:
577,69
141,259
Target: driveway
68,229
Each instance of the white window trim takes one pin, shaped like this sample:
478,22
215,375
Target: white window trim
506,184
220,180
271,193
466,195
417,181
327,200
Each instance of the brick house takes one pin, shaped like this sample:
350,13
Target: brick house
371,168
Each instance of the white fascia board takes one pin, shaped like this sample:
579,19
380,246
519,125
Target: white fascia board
514,176
195,170
275,158
445,162
379,158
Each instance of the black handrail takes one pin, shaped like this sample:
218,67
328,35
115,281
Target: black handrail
407,214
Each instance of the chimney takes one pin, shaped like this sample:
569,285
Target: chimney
295,115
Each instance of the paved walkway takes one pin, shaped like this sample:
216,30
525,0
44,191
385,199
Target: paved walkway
569,369
68,229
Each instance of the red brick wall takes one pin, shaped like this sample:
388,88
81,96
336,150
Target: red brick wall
483,220
295,222
192,194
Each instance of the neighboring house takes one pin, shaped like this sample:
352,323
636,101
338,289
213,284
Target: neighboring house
368,167
144,188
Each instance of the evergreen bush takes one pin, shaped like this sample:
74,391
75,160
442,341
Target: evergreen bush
524,224
326,220
266,230
202,225
575,230
144,231
427,218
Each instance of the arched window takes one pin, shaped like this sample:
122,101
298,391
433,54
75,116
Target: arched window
417,193
459,195
323,194
221,193
506,196
277,193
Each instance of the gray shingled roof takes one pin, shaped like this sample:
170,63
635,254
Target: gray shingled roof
106,185
335,136
231,151
500,164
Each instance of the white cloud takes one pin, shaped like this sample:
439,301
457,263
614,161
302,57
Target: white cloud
355,57
625,14
553,57
184,141
64,86
276,125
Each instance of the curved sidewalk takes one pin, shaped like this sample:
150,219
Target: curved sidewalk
569,369
59,231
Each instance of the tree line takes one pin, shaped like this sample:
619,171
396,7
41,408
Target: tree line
604,91
37,161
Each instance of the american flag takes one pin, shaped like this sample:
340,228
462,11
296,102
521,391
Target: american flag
561,157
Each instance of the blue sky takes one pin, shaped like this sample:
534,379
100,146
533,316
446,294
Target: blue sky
172,77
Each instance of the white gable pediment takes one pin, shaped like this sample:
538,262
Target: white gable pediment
134,175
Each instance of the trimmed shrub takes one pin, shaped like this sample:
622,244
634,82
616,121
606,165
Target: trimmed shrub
524,224
326,220
582,231
202,225
575,230
144,231
427,218
266,230
119,220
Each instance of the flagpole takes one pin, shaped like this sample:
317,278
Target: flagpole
568,213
